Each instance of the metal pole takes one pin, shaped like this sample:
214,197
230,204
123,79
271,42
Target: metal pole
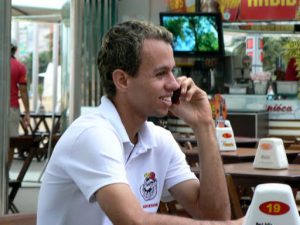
5,25
35,68
55,50
76,52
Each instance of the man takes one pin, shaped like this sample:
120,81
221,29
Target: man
18,85
291,73
114,167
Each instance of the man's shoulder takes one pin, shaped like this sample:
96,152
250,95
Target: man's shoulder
158,132
16,63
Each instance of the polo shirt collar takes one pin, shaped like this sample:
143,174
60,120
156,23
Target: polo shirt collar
146,139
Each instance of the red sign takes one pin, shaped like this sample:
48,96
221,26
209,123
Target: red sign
268,9
274,208
257,10
227,135
266,146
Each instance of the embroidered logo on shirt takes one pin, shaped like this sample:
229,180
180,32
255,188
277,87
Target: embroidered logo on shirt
149,188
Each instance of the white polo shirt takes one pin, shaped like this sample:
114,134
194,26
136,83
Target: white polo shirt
95,151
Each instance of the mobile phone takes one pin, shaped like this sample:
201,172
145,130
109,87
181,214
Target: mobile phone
175,96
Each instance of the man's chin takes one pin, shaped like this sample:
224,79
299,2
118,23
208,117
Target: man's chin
161,114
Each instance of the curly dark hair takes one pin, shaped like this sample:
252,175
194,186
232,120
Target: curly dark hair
121,49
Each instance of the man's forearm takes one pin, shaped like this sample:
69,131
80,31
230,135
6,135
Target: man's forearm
160,219
25,98
214,200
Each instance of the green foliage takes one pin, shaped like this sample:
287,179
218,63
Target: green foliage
208,42
273,50
205,40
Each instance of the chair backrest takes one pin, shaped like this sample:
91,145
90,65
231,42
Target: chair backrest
236,210
172,208
18,219
24,142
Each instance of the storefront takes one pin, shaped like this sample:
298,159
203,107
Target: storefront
260,38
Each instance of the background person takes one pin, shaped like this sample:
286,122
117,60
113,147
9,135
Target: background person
112,166
291,73
18,87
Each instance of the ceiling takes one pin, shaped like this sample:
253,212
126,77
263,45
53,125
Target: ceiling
30,11
41,11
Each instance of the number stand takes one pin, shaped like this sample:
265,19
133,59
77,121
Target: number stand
272,204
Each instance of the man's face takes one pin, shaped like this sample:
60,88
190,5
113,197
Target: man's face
151,90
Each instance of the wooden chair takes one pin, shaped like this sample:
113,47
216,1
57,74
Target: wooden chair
27,142
236,210
172,208
42,151
191,156
18,219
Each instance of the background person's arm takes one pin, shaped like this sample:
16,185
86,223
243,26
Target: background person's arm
25,100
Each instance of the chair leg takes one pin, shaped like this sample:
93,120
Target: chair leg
13,208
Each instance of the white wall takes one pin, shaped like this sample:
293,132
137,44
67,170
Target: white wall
141,9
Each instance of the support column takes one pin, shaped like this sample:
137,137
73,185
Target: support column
5,25
76,53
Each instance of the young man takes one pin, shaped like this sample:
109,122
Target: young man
114,167
18,85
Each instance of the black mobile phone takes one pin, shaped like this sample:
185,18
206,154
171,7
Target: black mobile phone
175,96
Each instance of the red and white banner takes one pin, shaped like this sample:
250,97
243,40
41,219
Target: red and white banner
257,10
268,9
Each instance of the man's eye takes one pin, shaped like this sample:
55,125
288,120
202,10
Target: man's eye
160,73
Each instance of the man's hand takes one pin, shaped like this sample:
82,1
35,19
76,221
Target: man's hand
194,106
26,120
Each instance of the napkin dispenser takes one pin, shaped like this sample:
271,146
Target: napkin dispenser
225,137
272,204
270,154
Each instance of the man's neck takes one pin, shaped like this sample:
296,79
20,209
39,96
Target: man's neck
130,120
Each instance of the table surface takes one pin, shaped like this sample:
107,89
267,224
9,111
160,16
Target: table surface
247,170
237,139
240,155
246,173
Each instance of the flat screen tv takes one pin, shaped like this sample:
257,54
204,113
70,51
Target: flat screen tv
195,34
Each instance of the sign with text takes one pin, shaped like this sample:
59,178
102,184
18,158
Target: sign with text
285,109
252,10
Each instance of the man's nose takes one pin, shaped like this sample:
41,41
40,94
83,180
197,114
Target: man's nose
173,83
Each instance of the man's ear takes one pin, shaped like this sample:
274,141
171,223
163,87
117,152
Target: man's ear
120,78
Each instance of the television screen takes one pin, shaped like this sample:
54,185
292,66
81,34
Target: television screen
195,34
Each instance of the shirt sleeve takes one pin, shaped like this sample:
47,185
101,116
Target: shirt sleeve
23,77
178,170
96,160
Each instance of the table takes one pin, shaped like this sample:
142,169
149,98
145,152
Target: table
245,177
42,122
238,156
45,126
245,174
240,141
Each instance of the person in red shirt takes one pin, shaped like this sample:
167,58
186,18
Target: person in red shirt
291,70
18,85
